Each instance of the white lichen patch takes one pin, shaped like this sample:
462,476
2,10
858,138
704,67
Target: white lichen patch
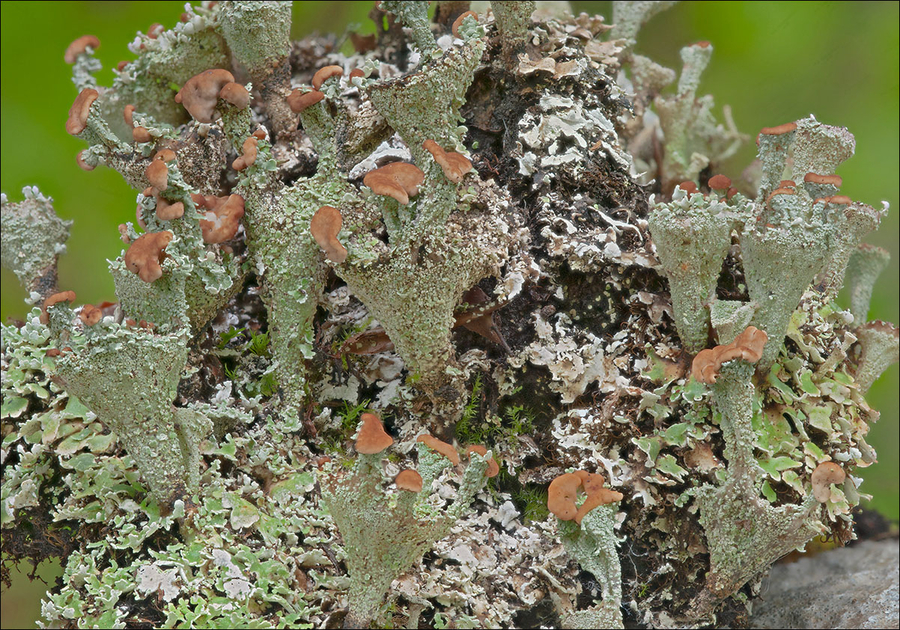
154,579
576,358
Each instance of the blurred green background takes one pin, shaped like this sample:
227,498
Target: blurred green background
773,62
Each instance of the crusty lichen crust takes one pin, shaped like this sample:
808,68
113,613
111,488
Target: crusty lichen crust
538,282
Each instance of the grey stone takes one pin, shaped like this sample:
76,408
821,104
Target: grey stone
853,587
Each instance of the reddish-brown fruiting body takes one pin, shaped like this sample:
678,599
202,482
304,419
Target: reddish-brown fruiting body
145,255
409,480
437,445
372,436
324,227
79,46
298,101
323,74
56,298
78,113
201,93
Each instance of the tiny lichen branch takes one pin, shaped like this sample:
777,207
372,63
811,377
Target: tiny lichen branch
587,533
513,24
593,545
744,532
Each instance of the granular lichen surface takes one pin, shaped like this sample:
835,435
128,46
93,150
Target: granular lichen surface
188,448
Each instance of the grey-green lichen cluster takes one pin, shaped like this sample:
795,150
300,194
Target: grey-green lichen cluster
168,446
387,530
33,239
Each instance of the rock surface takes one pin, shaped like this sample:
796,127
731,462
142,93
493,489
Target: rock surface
853,587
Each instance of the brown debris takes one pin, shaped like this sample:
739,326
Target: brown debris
823,476
370,341
363,43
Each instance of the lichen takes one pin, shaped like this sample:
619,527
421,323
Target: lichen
386,531
593,545
169,447
33,239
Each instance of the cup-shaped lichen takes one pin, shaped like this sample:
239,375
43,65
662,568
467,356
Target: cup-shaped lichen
129,377
387,530
692,234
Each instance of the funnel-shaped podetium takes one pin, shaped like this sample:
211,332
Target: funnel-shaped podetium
387,524
692,234
129,378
